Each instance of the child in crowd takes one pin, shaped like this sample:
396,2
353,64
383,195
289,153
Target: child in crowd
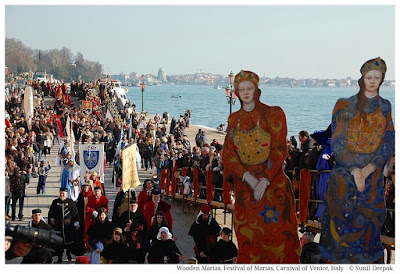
42,171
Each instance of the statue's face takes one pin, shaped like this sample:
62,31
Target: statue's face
246,91
372,81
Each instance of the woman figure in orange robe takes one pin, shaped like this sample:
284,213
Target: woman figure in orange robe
254,151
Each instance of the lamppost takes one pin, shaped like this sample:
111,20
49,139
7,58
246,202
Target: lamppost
142,86
229,92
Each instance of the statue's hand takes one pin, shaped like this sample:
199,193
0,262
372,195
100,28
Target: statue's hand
250,179
359,179
260,189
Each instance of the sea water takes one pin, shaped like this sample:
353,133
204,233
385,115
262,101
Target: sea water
305,108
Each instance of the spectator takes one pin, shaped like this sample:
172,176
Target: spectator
310,250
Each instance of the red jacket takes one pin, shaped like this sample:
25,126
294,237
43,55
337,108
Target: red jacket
143,198
162,206
95,205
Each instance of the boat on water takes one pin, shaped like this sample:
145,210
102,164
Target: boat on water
176,96
120,93
218,87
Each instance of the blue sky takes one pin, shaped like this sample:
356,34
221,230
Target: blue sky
288,41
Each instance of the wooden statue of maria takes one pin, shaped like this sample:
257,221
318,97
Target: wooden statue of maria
363,141
254,151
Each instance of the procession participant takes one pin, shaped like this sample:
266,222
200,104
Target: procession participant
157,223
70,179
95,202
96,181
115,250
164,249
145,194
98,233
224,251
363,140
137,241
155,205
204,231
82,204
130,216
64,217
254,151
63,150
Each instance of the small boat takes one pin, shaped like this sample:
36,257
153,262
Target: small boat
217,87
176,96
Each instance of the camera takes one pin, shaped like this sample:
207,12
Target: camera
34,236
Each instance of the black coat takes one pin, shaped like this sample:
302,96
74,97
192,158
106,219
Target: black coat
136,218
40,141
100,232
204,233
115,253
65,213
163,252
310,254
223,252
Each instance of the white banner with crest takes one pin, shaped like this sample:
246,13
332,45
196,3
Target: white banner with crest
91,158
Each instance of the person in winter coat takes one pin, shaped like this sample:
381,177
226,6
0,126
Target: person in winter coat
204,231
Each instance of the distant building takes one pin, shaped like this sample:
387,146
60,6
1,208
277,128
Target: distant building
162,75
348,81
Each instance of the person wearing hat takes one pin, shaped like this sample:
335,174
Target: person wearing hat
43,170
254,152
158,222
70,179
63,216
224,251
38,255
363,140
164,249
204,231
156,204
95,202
131,216
145,194
115,249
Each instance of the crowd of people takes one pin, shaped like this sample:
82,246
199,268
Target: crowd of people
138,228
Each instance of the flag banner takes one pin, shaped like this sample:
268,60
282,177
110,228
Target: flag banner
91,158
71,136
130,178
28,106
87,106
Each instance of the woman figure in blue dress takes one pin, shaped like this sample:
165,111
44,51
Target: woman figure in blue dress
363,140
